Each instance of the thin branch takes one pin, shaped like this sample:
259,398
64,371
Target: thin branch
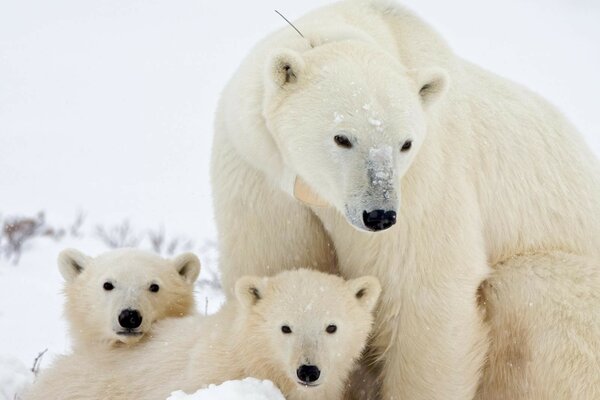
37,362
292,25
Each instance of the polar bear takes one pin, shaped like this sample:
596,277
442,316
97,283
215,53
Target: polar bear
114,298
302,330
362,143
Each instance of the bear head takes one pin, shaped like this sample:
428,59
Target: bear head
349,119
116,297
311,326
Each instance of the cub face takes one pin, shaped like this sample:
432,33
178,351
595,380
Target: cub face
117,296
314,325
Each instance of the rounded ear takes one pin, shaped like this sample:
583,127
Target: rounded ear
71,263
432,83
284,67
366,290
188,266
249,290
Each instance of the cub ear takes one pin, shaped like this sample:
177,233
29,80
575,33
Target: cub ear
71,263
366,290
284,67
432,84
249,290
188,266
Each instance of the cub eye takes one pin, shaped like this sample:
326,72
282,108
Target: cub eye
108,286
154,288
331,329
342,141
286,329
406,146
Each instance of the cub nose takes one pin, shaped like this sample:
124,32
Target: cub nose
378,220
130,319
308,373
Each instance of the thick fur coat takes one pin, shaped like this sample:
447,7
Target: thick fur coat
272,328
485,181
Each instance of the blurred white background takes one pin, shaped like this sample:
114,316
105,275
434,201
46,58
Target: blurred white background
107,106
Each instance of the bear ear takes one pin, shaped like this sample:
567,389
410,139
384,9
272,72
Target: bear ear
249,290
284,67
188,266
366,290
432,84
71,263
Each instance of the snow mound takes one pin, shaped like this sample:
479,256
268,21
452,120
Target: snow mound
15,377
247,389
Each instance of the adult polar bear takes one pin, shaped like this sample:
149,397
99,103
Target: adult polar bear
371,107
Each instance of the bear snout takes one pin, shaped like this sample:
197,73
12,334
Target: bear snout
379,220
308,374
130,319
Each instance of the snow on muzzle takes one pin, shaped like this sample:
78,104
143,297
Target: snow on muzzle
380,201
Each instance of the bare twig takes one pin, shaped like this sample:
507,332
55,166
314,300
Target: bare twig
209,277
179,245
118,236
75,228
161,244
37,362
157,239
16,231
292,25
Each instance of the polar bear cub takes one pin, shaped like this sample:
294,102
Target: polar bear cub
301,329
116,297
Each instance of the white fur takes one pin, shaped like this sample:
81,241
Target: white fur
244,339
494,173
93,312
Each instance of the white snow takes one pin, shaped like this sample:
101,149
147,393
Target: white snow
380,161
247,389
15,377
374,121
380,154
337,118
108,107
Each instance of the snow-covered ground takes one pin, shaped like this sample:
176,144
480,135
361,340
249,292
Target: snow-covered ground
107,107
247,389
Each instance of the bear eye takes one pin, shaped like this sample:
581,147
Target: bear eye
331,328
154,288
406,146
342,141
286,329
108,286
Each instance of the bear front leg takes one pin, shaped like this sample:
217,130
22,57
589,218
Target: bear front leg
262,230
437,344
544,313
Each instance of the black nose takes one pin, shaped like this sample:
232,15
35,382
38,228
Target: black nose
308,373
130,319
378,220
